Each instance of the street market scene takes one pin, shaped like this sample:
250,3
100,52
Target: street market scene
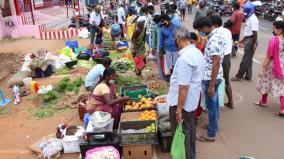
141,79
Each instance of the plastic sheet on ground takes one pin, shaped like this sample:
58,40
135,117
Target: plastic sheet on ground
84,34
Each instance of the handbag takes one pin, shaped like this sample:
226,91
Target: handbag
139,62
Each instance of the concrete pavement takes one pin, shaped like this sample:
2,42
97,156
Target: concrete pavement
246,130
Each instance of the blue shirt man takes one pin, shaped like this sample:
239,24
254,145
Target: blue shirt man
167,44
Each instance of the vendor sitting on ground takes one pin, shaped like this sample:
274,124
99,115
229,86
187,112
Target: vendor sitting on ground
103,97
99,51
95,74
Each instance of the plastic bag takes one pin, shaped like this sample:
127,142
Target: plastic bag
139,62
221,95
178,148
165,67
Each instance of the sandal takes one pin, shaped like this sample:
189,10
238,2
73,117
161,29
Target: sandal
258,103
206,138
280,114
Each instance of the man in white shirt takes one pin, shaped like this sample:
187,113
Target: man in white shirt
185,87
249,42
121,18
96,22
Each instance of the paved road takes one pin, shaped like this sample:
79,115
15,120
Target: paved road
246,130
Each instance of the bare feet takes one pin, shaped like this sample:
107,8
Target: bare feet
229,105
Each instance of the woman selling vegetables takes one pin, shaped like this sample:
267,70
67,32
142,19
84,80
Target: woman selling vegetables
139,50
103,97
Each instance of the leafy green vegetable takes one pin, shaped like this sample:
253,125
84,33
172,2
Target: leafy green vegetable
63,71
66,79
121,65
127,81
50,96
62,85
78,81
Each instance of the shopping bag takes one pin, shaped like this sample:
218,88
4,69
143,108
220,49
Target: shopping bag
178,148
165,67
221,93
139,62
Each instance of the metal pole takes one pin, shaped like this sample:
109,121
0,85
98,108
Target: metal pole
32,13
77,13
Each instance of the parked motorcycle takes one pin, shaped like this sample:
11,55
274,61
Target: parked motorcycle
272,12
83,22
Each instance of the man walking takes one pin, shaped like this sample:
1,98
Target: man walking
237,20
249,42
185,87
214,54
167,41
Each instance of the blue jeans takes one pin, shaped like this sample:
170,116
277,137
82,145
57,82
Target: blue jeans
212,105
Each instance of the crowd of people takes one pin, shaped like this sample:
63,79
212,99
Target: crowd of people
197,62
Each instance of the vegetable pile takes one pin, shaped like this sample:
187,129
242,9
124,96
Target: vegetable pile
66,85
127,81
164,124
122,65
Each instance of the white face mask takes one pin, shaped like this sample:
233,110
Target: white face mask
111,81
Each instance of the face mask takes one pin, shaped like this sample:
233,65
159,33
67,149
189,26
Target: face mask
111,81
201,33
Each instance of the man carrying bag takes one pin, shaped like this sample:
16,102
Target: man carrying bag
184,93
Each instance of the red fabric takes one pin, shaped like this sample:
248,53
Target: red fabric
139,62
199,109
237,20
114,110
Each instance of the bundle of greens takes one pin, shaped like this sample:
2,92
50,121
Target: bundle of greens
121,65
50,96
66,85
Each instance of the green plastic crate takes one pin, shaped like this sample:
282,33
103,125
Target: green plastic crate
134,91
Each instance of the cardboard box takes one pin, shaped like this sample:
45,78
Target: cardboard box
137,152
130,116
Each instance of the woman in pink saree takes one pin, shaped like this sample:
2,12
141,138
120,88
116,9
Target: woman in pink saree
271,79
103,97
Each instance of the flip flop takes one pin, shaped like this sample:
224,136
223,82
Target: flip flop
205,138
280,114
258,103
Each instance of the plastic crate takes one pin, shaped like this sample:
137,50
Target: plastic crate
134,91
136,138
165,141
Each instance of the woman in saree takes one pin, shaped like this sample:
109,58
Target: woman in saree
271,78
138,44
103,97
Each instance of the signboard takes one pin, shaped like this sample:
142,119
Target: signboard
38,3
